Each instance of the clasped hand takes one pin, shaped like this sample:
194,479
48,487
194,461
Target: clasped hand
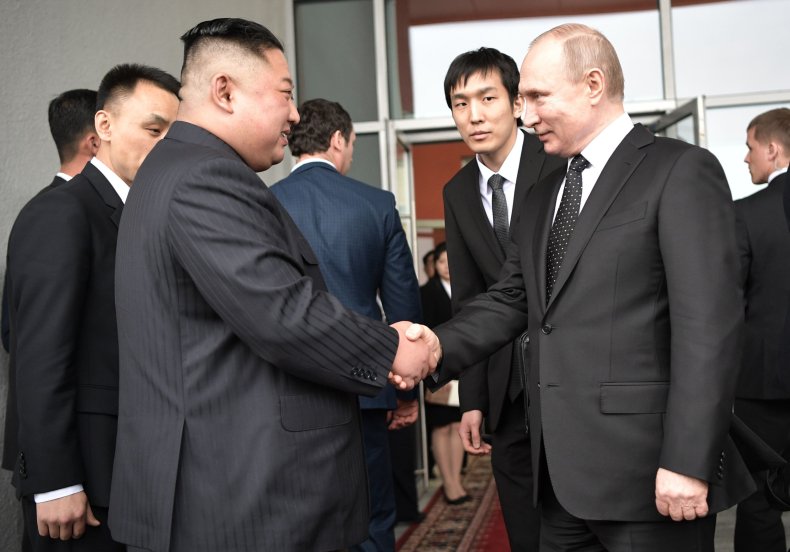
418,355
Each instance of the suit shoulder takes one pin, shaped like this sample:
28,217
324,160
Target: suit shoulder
468,173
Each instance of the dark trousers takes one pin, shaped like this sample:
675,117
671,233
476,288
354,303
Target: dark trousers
403,452
758,527
561,531
95,539
511,461
381,537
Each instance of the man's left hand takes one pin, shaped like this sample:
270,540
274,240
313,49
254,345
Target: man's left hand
404,415
680,496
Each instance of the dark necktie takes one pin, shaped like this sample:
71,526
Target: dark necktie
564,222
502,231
499,208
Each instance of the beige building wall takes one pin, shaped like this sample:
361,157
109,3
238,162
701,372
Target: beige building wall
48,46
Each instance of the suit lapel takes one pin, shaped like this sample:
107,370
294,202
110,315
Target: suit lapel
477,213
529,168
615,174
105,191
544,202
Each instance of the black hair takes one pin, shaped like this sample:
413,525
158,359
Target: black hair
429,255
121,80
319,120
71,116
247,34
439,249
483,61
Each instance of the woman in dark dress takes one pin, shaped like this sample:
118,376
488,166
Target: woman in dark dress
442,412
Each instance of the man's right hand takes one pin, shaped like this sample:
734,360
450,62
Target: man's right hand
469,430
417,356
65,518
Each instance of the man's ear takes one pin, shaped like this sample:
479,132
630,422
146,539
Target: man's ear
103,123
89,144
518,106
223,91
596,85
337,141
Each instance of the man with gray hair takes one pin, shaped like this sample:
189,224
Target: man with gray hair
625,269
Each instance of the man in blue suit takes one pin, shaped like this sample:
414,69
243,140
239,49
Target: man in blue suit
356,233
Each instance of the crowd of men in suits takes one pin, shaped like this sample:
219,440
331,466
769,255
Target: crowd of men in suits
210,370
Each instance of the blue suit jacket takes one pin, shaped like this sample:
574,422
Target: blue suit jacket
356,233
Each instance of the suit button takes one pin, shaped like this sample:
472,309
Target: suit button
546,329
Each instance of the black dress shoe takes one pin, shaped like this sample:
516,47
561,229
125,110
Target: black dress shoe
460,500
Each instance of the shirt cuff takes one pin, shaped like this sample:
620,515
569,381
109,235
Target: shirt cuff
59,493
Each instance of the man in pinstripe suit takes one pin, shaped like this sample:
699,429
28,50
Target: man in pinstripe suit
238,417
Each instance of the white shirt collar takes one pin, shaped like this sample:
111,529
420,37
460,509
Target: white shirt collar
509,169
776,173
64,176
313,160
117,183
602,146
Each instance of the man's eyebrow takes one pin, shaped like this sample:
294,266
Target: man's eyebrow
156,118
483,90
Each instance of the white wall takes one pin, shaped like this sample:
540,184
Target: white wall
49,46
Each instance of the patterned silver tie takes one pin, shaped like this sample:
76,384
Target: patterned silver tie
499,208
564,222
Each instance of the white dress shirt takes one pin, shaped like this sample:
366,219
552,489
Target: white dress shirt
508,171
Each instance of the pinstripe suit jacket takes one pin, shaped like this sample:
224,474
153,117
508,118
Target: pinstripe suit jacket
238,418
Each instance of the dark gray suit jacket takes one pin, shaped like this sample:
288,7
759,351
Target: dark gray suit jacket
764,247
238,416
476,259
634,359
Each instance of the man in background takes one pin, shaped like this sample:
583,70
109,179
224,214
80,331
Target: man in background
356,233
70,117
762,400
239,373
481,89
64,344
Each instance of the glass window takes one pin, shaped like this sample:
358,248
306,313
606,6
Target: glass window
432,47
730,47
335,55
367,161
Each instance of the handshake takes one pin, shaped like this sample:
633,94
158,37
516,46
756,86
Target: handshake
419,352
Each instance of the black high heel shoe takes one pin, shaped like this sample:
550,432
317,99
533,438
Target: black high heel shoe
454,502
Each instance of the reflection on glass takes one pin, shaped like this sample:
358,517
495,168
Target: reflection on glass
682,130
335,55
730,47
367,161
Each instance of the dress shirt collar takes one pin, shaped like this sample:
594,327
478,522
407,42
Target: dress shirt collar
602,146
64,176
776,173
313,160
509,169
121,188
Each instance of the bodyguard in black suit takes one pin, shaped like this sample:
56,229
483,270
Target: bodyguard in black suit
481,88
626,268
64,346
762,399
357,236
70,117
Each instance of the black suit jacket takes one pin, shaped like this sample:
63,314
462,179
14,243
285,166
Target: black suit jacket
64,345
436,306
635,357
764,247
476,259
238,414
10,447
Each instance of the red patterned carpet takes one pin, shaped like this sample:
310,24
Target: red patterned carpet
475,526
